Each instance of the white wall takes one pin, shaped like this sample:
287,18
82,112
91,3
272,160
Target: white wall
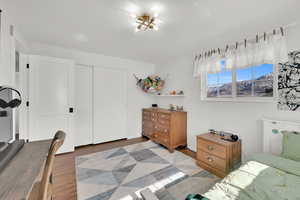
136,98
243,118
7,52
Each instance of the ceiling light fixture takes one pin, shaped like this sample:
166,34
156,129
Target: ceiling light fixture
146,22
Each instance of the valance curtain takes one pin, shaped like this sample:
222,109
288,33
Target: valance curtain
269,49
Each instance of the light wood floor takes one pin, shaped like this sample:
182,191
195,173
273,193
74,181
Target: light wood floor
64,178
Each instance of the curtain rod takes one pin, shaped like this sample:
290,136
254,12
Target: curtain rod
271,32
253,39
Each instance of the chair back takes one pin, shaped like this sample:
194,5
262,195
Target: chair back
45,191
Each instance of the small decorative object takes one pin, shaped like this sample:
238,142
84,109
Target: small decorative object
228,136
212,131
180,92
179,108
151,84
172,107
222,133
154,105
173,92
289,84
234,138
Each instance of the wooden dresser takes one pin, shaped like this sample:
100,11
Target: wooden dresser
216,155
165,127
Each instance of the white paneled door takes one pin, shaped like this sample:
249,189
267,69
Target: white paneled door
83,120
51,96
110,104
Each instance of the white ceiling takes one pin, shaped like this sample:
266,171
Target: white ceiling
105,26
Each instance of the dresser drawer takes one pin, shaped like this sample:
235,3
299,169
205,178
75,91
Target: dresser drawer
146,113
212,148
147,131
147,117
212,160
147,124
153,114
162,126
164,116
163,122
161,138
164,130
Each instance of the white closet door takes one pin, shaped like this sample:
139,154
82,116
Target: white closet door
83,120
50,97
110,104
22,85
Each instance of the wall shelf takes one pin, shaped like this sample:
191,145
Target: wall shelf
168,95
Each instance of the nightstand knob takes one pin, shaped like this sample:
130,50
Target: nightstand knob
209,159
210,148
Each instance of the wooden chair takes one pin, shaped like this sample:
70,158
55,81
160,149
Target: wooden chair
43,190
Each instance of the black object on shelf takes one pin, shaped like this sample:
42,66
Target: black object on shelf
9,152
154,105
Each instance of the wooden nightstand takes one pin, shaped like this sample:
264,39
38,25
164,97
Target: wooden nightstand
216,155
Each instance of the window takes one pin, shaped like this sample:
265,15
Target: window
220,84
255,82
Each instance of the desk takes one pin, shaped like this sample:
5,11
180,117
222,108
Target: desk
19,176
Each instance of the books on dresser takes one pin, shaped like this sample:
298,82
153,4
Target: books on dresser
168,128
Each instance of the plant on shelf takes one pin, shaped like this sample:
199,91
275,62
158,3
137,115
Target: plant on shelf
151,84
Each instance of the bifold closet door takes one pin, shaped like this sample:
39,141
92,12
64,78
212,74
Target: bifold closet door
110,104
51,97
83,119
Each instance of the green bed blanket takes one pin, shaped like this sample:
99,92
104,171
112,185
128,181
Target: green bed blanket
264,177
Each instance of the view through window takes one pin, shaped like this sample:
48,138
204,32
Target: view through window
256,81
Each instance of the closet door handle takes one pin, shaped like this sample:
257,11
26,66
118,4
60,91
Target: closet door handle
71,110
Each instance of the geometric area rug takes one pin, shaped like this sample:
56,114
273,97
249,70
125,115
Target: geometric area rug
121,173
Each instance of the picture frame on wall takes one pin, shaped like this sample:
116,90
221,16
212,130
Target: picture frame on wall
289,83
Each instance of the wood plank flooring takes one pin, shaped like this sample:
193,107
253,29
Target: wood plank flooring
64,178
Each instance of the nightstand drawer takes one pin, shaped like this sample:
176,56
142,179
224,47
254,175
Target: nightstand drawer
212,160
212,148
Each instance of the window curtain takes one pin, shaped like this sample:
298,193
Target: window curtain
269,49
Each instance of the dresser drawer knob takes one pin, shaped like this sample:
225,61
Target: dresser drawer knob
166,130
210,148
210,159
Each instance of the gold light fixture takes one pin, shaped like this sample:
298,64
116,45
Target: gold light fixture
146,22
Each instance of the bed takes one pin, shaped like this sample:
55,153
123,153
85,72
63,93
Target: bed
272,175
263,177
